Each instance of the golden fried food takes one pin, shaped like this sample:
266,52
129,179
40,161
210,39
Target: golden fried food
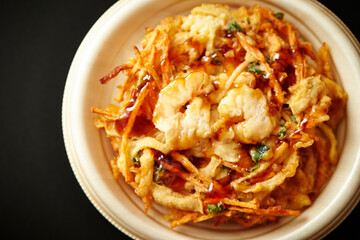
225,115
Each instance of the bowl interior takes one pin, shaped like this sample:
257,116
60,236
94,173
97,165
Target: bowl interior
109,43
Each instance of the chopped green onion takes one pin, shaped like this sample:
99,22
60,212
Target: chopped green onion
256,166
279,15
158,175
226,168
257,153
162,177
233,26
215,208
255,68
282,132
136,161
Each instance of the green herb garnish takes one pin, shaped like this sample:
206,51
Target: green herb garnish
257,153
233,26
226,168
279,15
162,176
256,166
254,67
282,133
215,208
158,175
136,161
293,118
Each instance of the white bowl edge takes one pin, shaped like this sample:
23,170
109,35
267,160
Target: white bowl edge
85,176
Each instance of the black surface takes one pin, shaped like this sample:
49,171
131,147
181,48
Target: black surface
39,195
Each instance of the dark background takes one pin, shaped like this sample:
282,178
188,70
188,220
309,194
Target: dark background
39,195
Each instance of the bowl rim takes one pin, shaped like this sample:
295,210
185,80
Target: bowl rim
66,126
70,145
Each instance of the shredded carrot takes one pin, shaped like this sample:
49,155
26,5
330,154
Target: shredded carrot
124,144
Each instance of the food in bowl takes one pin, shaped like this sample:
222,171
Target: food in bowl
225,115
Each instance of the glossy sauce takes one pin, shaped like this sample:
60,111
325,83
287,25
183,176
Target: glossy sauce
199,162
217,191
244,162
172,171
121,123
301,127
283,62
143,124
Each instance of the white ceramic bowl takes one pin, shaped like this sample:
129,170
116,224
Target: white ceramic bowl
109,43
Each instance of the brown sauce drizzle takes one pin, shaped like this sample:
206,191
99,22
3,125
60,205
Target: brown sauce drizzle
172,171
143,123
217,191
284,63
